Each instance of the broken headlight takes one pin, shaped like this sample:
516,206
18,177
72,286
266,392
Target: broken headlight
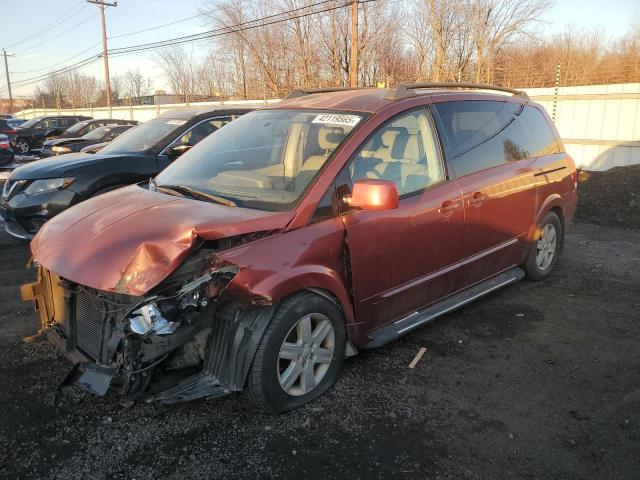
149,319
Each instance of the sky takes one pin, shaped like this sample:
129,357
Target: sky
80,30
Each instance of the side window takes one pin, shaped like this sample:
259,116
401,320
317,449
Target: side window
203,130
404,150
484,134
540,139
49,123
66,122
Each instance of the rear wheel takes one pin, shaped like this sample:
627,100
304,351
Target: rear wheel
300,354
23,145
544,251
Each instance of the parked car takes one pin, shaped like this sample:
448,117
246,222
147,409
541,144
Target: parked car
37,191
301,233
8,131
15,122
6,116
32,133
60,145
84,127
6,151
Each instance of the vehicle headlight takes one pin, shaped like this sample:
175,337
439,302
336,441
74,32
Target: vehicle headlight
47,185
149,319
61,149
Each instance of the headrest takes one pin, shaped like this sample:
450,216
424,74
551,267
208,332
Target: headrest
389,135
330,137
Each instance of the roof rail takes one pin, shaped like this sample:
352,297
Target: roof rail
406,90
300,92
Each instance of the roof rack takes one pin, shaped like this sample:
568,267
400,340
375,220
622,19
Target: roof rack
301,92
406,90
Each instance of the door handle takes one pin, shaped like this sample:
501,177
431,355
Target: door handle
447,207
477,199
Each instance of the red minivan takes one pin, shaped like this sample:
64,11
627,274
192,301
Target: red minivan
331,222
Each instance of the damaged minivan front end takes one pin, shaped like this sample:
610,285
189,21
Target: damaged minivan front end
158,308
198,335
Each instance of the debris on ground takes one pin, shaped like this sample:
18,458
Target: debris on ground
417,358
611,197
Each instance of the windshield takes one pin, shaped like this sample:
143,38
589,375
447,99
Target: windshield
265,159
31,123
77,127
143,137
96,134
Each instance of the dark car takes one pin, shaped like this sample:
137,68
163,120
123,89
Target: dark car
33,132
39,190
325,224
9,131
86,126
6,151
61,145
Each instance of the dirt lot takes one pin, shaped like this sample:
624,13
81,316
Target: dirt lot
540,380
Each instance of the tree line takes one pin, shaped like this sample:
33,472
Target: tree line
503,42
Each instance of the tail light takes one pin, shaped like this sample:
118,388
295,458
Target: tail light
4,144
9,132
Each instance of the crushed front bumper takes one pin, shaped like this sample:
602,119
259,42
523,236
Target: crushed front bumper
92,337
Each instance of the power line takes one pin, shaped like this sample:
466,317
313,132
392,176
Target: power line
226,30
54,22
58,35
58,63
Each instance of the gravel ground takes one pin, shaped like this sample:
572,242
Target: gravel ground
539,380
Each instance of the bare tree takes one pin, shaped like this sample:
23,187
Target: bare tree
136,85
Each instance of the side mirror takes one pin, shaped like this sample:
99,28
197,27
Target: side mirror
373,194
178,149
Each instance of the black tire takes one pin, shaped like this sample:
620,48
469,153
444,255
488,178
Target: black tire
532,267
23,145
263,385
107,189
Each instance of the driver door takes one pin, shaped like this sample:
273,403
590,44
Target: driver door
404,259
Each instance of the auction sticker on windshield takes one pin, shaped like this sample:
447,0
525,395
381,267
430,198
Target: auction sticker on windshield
337,119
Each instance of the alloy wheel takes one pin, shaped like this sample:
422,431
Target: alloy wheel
546,246
305,354
22,146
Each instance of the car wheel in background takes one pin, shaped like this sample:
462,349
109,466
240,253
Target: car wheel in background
546,247
300,355
23,145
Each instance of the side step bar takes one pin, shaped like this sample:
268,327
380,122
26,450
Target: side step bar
412,321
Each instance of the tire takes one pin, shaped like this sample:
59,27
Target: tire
107,189
545,248
23,145
278,384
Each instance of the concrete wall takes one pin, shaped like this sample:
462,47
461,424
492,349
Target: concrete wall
600,124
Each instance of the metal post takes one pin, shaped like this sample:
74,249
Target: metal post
353,67
555,92
6,69
105,54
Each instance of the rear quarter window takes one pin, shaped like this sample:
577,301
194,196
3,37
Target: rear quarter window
483,134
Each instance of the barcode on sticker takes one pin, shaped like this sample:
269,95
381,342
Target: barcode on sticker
337,119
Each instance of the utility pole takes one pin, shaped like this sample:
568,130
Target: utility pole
107,83
353,67
6,69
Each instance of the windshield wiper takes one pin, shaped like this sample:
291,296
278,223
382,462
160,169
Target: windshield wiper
184,190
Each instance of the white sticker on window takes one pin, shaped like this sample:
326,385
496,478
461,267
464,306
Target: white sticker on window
337,119
175,122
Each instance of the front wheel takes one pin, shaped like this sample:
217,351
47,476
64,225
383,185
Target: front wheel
300,355
23,145
546,246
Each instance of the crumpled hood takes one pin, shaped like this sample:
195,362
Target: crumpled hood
129,240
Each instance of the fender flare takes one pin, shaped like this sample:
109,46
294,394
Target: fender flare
552,201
